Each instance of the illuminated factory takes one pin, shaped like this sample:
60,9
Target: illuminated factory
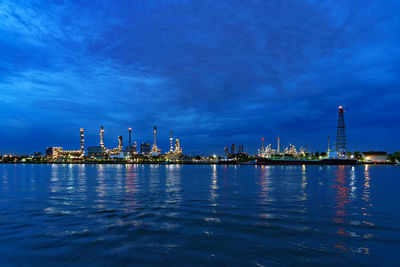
130,151
60,153
268,151
98,151
155,151
338,153
174,152
101,151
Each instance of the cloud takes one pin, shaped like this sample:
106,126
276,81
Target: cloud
215,72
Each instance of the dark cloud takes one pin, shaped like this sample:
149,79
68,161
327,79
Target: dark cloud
215,72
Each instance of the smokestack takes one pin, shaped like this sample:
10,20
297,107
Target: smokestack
130,137
155,135
262,144
101,136
120,142
82,143
279,146
171,141
306,148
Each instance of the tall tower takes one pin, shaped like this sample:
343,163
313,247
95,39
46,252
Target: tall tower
82,143
101,136
171,149
155,136
341,135
130,137
262,144
155,149
178,149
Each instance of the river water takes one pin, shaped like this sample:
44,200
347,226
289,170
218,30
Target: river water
185,215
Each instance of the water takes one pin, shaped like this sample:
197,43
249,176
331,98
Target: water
106,215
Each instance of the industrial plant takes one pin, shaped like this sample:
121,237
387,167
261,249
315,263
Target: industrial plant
268,154
101,152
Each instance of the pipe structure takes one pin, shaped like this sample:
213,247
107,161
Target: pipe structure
178,149
171,149
155,136
130,135
102,136
82,142
155,149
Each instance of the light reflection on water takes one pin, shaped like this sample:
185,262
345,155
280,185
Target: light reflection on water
199,214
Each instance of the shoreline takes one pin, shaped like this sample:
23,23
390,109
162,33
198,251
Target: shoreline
204,163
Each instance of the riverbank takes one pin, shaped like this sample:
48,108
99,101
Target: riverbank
194,163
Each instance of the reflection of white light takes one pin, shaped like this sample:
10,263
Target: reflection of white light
352,181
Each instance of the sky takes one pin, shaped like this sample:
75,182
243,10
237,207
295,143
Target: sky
214,72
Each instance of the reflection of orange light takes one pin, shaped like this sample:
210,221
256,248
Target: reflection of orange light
342,197
341,246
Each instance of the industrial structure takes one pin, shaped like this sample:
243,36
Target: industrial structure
281,150
102,152
60,153
145,148
155,151
341,135
175,152
131,150
375,157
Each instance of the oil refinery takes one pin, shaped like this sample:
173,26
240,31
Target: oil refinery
101,152
268,154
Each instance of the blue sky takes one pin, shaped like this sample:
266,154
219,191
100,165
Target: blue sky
215,72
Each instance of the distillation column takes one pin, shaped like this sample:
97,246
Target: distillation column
130,137
82,143
171,149
101,136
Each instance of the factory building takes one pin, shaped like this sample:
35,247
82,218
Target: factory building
175,151
101,152
375,156
145,148
60,153
98,152
131,150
